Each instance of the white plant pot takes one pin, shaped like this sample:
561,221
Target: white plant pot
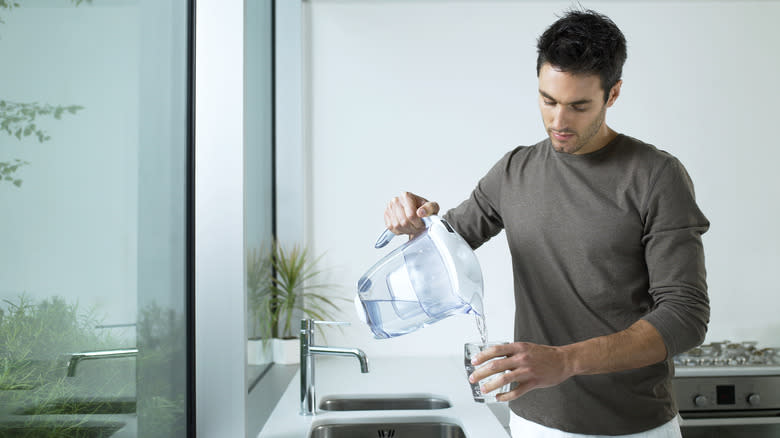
259,352
286,351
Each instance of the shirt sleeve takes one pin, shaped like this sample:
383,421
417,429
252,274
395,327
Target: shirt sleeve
477,219
674,255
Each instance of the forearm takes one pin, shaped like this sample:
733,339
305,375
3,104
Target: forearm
637,346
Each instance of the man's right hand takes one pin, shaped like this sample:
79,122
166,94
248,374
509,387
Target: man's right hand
403,214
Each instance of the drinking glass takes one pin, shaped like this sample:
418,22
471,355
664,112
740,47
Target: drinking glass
470,349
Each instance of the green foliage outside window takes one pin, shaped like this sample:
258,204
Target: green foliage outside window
20,119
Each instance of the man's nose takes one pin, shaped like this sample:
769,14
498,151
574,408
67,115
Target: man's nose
559,118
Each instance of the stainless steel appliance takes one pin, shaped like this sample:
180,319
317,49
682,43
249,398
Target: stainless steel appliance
728,389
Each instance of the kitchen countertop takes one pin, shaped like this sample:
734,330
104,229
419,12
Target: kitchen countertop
437,376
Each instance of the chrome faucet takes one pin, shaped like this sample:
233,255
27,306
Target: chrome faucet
75,358
308,350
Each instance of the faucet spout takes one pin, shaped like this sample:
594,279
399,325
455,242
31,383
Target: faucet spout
75,358
308,351
338,351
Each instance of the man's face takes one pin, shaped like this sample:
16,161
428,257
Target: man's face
573,110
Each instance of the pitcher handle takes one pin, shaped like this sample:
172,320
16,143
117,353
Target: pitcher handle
388,235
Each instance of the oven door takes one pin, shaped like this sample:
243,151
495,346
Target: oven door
727,405
743,424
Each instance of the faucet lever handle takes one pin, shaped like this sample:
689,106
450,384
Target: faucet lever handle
332,322
307,325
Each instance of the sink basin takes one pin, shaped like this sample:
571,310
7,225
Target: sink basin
386,430
383,403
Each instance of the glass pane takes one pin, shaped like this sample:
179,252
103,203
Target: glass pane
93,150
258,211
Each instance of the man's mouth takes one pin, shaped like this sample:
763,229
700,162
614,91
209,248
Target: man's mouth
562,136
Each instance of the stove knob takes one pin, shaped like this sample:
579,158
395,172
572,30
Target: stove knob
701,401
754,399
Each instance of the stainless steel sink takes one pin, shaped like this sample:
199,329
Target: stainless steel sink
383,403
386,430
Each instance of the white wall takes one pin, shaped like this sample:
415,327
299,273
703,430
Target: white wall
425,96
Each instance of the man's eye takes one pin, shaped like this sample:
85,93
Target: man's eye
578,108
549,102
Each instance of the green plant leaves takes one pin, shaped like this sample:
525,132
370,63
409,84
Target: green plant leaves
5,4
11,4
18,119
283,281
7,169
34,334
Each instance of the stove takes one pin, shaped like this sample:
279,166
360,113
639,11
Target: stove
736,381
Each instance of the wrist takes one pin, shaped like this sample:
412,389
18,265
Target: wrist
574,359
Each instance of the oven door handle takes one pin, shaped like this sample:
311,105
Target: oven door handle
728,421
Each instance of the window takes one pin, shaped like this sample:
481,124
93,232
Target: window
94,261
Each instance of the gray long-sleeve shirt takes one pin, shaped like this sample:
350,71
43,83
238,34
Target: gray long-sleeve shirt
598,241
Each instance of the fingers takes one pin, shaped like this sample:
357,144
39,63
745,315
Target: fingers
496,382
518,390
487,370
521,380
495,375
494,351
404,212
403,216
521,384
498,362
527,366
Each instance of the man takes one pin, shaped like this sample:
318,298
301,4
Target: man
605,238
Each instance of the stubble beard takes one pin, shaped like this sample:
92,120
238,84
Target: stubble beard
584,140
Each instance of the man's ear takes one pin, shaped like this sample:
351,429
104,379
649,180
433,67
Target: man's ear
614,93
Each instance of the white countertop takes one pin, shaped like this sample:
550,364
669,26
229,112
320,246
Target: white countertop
438,376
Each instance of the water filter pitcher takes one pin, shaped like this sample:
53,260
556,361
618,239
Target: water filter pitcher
428,278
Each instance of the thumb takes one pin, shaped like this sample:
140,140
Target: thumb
428,209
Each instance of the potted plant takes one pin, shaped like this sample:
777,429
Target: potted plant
285,285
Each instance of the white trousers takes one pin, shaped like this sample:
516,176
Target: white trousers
522,428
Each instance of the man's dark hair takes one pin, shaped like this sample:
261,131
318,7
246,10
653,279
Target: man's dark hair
584,42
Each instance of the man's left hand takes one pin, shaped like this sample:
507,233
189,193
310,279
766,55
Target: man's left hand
529,366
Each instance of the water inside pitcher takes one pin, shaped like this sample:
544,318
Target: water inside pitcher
431,277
